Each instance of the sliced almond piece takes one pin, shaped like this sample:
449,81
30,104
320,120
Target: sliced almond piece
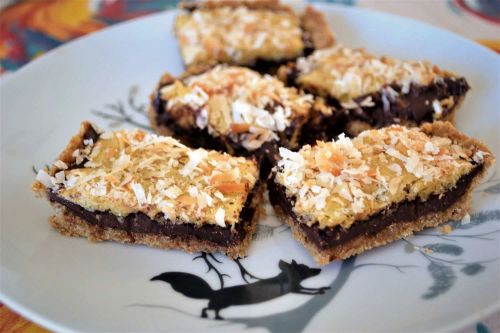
226,177
240,128
227,188
219,116
187,199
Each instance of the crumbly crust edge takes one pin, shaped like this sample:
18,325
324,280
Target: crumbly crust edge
446,129
69,224
66,155
390,234
314,22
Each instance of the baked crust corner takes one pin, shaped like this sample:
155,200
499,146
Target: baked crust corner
314,22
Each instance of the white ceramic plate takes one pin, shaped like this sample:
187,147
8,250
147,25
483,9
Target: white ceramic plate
72,285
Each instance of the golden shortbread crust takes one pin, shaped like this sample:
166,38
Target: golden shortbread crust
69,224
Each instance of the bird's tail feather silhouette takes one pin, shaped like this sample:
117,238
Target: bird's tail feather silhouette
187,284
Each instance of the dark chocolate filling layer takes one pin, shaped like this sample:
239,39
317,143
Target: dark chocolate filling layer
192,136
414,107
91,134
405,211
141,223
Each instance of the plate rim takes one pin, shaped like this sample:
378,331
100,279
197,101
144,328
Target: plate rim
79,39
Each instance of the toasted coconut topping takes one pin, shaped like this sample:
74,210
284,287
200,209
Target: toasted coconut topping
346,74
238,102
238,35
131,171
343,181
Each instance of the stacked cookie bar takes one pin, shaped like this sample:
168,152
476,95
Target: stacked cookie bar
355,150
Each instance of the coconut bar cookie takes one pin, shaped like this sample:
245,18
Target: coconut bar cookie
229,108
344,197
261,34
134,187
362,91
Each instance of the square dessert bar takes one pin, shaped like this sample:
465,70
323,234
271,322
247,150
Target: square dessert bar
344,197
361,91
229,108
134,187
261,34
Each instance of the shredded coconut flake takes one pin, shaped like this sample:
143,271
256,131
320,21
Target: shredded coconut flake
466,219
122,162
438,109
219,195
394,153
291,156
173,192
430,148
139,193
259,40
396,168
44,178
219,217
193,191
60,177
70,182
413,165
98,189
60,165
208,199
303,191
367,102
320,199
478,156
195,157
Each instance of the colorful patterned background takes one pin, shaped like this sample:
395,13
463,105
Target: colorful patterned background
30,28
